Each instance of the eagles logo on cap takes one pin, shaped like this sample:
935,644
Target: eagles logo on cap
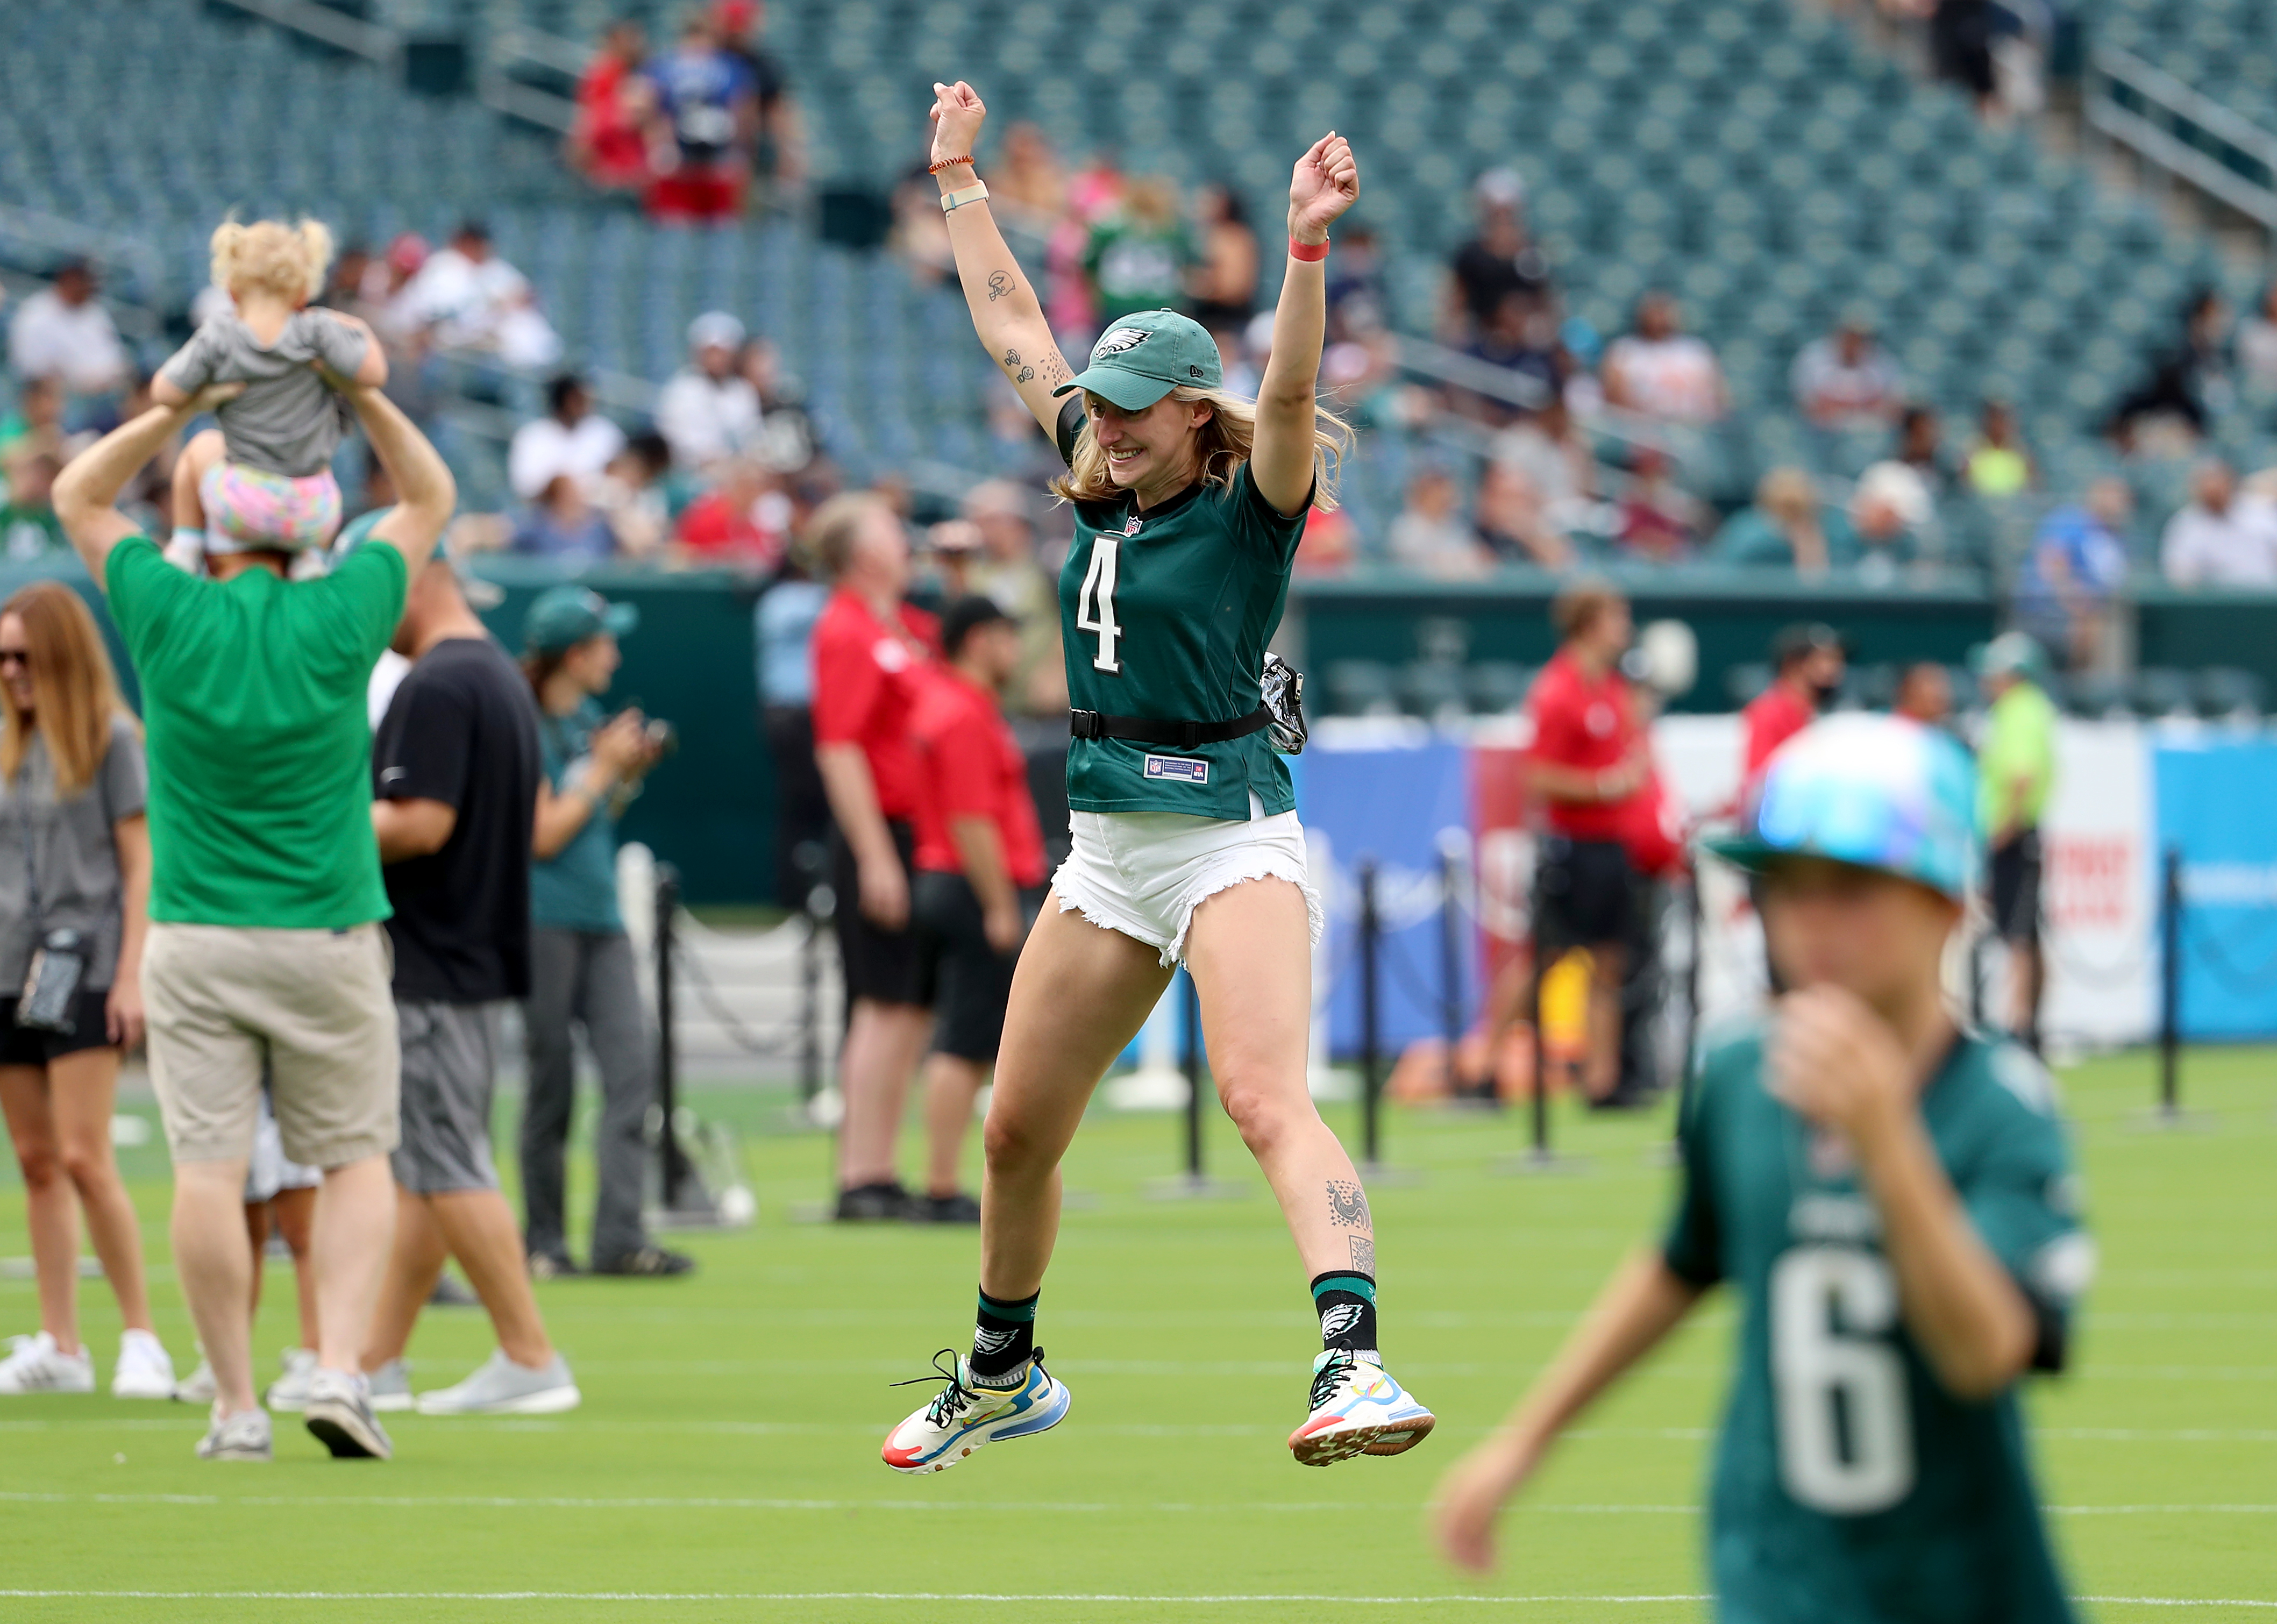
1121,339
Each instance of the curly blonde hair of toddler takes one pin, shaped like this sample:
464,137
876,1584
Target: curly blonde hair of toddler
287,261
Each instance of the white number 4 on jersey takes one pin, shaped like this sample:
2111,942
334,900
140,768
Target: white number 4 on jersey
1094,602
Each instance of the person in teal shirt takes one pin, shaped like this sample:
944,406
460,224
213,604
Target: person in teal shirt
2016,773
581,970
1893,1201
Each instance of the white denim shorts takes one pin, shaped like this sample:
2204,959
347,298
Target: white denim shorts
1144,873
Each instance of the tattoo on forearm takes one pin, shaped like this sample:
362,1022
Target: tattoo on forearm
1348,1206
1363,1252
1056,369
999,285
1011,360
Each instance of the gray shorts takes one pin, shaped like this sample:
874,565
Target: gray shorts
450,1055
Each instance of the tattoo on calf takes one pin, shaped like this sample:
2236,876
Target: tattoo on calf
1348,1206
1363,1251
1000,283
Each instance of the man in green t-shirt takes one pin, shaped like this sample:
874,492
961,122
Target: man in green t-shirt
2015,771
265,946
1893,1202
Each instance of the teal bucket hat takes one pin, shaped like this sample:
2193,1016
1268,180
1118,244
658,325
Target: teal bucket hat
1879,792
1143,357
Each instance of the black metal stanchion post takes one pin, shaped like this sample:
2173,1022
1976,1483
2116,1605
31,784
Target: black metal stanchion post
673,1166
1451,969
1539,1155
1371,1031
2170,986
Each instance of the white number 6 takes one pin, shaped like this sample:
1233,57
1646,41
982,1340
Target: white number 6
1845,1428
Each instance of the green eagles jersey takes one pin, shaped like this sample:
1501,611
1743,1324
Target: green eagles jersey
1850,1488
1166,614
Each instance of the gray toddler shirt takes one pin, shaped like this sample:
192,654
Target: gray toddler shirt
288,421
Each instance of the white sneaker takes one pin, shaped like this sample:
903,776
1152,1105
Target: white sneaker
35,1365
290,1391
242,1437
199,1386
144,1369
1357,1409
390,1386
501,1387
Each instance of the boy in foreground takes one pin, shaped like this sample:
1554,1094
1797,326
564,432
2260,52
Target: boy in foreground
1890,1196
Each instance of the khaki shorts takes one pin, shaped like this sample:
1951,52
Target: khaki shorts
315,1004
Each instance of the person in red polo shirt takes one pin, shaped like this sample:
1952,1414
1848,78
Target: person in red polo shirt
1809,661
1591,763
979,880
871,653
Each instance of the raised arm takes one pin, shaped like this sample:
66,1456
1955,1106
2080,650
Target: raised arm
1006,312
86,492
1325,183
425,494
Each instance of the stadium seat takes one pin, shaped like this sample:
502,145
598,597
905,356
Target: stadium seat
2226,691
2160,690
1358,688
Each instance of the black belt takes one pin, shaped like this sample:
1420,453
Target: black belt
1159,730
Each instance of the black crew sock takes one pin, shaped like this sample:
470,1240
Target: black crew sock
1003,1336
1346,1300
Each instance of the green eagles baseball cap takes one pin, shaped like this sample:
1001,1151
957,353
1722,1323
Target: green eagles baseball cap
564,616
1143,357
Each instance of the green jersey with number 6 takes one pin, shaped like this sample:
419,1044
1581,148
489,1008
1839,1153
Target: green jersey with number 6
1849,1485
1165,614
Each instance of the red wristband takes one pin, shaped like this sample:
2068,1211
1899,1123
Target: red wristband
1311,253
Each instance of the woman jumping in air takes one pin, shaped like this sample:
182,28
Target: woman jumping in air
1189,503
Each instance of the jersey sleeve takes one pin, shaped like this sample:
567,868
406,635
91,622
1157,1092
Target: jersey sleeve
1262,527
2022,1198
1692,1246
1071,427
424,744
847,685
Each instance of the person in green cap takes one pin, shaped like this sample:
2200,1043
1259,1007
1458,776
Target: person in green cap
1189,502
1892,1199
582,968
2016,770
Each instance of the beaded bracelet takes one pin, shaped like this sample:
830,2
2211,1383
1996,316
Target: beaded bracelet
934,169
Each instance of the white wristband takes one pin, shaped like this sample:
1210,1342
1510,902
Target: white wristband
951,201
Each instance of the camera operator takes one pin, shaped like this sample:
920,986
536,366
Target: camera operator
581,962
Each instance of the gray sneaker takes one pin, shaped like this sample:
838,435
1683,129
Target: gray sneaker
198,1387
501,1387
390,1386
242,1437
289,1393
339,1414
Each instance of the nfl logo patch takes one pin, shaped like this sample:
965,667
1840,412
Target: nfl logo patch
1131,525
1176,769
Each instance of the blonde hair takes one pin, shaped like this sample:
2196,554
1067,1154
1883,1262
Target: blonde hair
74,687
833,530
287,261
1226,441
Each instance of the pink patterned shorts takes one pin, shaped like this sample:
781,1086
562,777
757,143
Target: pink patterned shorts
248,509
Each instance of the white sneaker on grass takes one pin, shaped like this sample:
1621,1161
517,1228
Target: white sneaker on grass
339,1416
242,1437
199,1386
34,1364
289,1393
144,1369
501,1387
390,1386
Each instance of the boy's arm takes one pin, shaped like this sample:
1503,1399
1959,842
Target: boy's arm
1643,1301
1839,1066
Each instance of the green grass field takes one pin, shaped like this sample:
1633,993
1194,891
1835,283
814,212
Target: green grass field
725,1463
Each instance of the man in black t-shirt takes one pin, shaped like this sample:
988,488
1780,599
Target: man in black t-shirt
454,774
1498,267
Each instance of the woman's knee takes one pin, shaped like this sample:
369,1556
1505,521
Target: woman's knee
86,1163
39,1160
1015,1145
1265,1107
